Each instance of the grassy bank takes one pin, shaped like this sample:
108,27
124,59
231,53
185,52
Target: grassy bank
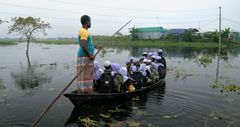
142,43
59,42
165,44
107,41
7,42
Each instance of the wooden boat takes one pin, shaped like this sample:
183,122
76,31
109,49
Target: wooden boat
96,97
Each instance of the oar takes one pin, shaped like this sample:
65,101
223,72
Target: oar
58,96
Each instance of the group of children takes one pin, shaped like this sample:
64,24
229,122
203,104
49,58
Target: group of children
151,67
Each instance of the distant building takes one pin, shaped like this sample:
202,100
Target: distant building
181,31
236,37
176,31
151,32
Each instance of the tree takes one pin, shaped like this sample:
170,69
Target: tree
133,32
226,33
27,27
188,35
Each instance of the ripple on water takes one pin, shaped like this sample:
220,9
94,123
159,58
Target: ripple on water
189,107
15,124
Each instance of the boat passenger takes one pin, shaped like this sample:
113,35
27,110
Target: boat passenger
154,70
145,54
163,61
97,72
117,77
126,79
150,54
137,75
161,67
106,79
132,59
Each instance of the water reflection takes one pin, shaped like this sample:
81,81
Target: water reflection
2,87
116,113
218,60
189,98
30,77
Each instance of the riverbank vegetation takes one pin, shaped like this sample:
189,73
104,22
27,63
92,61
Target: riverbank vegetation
7,42
128,42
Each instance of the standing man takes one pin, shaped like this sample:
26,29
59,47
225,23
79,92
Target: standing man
85,60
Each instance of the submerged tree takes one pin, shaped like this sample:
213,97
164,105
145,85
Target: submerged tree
27,27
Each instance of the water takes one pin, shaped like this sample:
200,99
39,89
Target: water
186,99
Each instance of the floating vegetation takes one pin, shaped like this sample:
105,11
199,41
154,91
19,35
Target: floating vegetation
171,69
117,124
129,123
105,115
203,60
135,108
67,66
87,122
228,80
51,89
182,74
140,113
133,123
51,64
216,116
227,88
3,67
136,98
169,117
232,66
149,125
213,116
29,80
2,87
117,110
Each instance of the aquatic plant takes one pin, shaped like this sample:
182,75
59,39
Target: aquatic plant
140,113
116,110
227,88
87,122
232,66
182,73
133,123
105,115
217,115
169,117
203,60
2,87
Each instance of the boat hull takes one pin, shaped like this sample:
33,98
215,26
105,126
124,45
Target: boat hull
92,98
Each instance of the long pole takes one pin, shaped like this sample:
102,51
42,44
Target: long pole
220,26
219,43
58,96
121,28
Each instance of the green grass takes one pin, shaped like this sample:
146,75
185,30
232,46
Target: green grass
106,41
7,42
59,42
129,43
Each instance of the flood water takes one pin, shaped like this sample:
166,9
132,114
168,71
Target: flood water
186,99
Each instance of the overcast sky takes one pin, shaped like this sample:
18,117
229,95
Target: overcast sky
109,15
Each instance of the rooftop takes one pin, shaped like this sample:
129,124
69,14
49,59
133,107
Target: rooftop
151,29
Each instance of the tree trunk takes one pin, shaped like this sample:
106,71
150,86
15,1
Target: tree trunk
28,41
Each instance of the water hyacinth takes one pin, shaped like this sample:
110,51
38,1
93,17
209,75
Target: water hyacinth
227,88
203,60
87,122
